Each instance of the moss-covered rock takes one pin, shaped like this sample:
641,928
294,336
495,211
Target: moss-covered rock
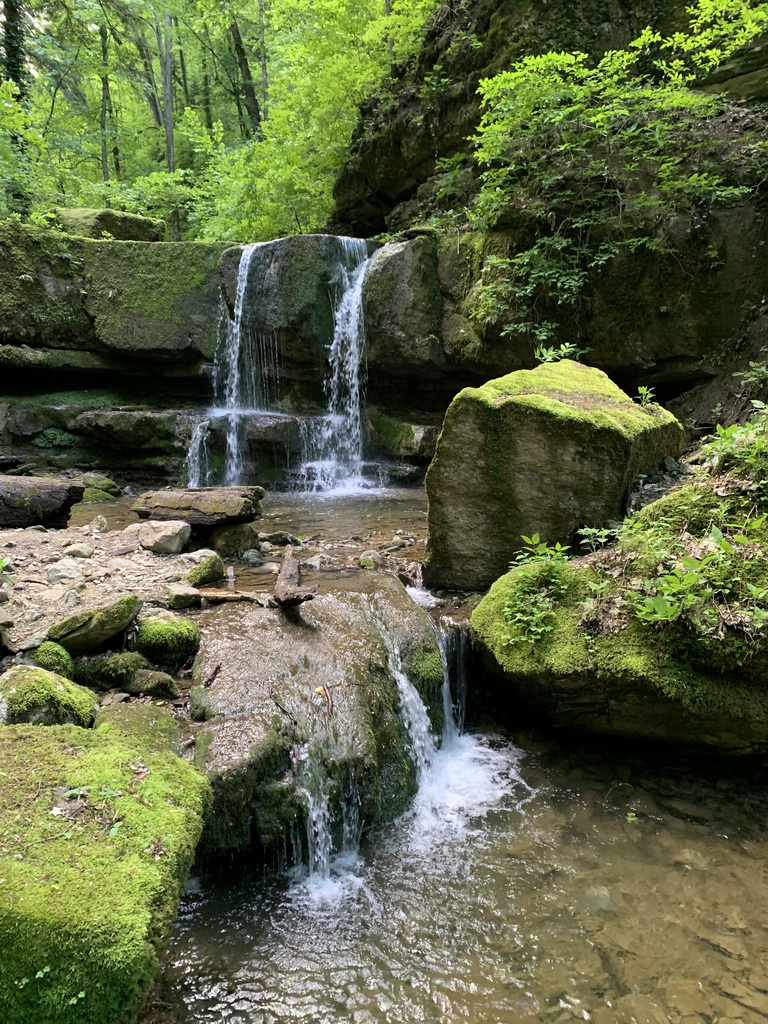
102,483
87,631
54,658
539,451
146,726
202,506
124,227
40,697
168,639
93,494
101,828
110,671
207,571
149,683
30,501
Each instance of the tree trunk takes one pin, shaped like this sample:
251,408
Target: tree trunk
153,96
105,104
182,65
13,45
165,50
249,92
207,114
263,60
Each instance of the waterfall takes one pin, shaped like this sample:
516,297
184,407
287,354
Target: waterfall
414,714
332,457
452,638
198,460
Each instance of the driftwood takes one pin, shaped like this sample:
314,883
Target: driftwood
215,596
287,590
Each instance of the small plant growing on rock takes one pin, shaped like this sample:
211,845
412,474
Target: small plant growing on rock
529,609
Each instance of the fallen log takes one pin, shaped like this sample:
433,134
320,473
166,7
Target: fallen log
288,593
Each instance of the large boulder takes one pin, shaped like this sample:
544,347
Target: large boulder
124,227
167,537
37,500
202,506
539,451
321,684
100,828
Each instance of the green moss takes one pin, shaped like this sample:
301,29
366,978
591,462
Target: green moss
199,704
52,437
94,223
145,726
167,640
393,784
390,434
153,684
103,483
424,668
95,852
54,658
91,494
110,671
89,630
208,570
40,697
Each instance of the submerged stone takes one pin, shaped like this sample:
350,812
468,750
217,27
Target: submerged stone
102,826
539,451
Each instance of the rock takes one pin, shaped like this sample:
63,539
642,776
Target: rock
539,451
232,541
168,640
252,558
209,569
254,704
88,630
64,569
202,506
109,671
25,501
92,911
153,684
147,726
279,539
98,525
124,227
38,697
54,658
372,559
319,562
92,494
169,537
180,596
78,551
102,483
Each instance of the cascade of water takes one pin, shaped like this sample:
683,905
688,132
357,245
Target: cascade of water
452,638
414,714
332,457
198,460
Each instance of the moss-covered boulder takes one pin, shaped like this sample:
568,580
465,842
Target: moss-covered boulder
93,494
89,630
202,506
149,683
35,695
325,680
207,571
110,671
146,726
102,483
124,227
168,640
35,501
54,658
100,828
539,451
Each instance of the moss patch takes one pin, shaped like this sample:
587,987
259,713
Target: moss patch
168,640
208,570
110,671
54,658
89,630
146,727
34,695
98,834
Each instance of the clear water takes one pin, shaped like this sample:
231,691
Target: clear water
529,883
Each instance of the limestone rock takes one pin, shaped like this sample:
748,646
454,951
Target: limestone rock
180,596
202,506
539,451
124,227
27,501
168,537
38,697
65,569
325,673
88,630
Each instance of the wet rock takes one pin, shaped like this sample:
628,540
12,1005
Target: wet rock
25,501
202,506
87,630
208,569
168,537
232,541
319,562
38,697
372,559
542,451
691,859
252,558
104,484
745,996
598,898
687,997
98,525
322,680
149,683
167,639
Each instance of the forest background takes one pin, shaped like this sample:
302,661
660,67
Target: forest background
228,120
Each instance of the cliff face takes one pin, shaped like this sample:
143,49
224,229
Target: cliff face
429,110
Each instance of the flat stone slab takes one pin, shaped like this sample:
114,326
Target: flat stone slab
37,500
202,506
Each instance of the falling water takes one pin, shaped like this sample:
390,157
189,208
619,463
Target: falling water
333,445
452,638
414,714
199,456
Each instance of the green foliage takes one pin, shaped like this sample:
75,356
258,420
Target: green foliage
553,355
646,395
740,449
528,610
599,156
